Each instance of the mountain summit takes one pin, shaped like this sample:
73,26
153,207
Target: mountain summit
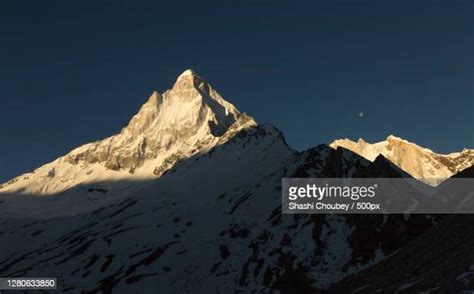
189,118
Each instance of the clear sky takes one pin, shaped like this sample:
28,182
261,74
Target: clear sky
75,73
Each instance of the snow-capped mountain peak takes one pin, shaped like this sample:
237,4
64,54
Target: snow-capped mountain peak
187,72
422,163
188,79
189,118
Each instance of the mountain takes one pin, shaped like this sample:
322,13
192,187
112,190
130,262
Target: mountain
190,118
421,163
187,198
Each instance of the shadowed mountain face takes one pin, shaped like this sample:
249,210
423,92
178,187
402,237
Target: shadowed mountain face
209,220
440,260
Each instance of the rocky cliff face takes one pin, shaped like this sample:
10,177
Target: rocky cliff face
179,123
419,162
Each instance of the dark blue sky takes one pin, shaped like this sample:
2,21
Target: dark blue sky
74,73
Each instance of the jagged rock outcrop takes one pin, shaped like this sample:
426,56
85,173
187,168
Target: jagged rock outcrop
421,163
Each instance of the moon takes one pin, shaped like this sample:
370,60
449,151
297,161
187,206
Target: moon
361,114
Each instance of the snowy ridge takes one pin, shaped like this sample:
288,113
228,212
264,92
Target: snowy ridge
421,163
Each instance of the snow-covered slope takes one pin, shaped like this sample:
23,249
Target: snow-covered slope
211,224
421,163
188,119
